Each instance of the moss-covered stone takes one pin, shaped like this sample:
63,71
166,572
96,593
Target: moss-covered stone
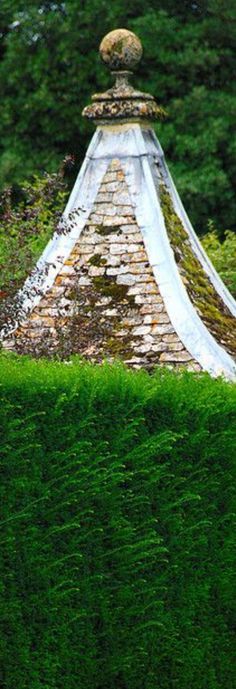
202,293
105,230
97,260
118,347
108,287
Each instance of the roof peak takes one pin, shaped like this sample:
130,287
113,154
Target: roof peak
121,50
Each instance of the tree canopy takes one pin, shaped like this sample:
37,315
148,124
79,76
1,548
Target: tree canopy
49,67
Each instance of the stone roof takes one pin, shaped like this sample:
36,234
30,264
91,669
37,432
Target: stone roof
125,275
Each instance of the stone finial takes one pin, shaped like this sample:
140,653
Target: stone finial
121,50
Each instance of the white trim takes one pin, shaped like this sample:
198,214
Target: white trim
195,242
184,318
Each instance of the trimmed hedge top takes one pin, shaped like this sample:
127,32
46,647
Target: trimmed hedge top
117,567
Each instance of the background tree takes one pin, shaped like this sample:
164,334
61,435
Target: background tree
49,56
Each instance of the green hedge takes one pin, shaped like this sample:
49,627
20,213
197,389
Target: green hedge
117,505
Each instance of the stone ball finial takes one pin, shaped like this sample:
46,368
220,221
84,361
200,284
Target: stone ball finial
121,50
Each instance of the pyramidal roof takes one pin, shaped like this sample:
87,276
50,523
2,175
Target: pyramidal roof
125,276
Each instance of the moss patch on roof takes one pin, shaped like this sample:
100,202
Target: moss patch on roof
209,305
89,328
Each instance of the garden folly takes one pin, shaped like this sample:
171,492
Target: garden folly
125,275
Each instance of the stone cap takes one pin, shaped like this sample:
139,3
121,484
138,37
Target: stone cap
121,50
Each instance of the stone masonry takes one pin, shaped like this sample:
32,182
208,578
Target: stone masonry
105,302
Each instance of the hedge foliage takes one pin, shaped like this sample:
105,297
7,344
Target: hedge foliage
117,564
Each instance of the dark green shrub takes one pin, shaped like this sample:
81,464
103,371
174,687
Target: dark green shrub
26,227
117,564
222,255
